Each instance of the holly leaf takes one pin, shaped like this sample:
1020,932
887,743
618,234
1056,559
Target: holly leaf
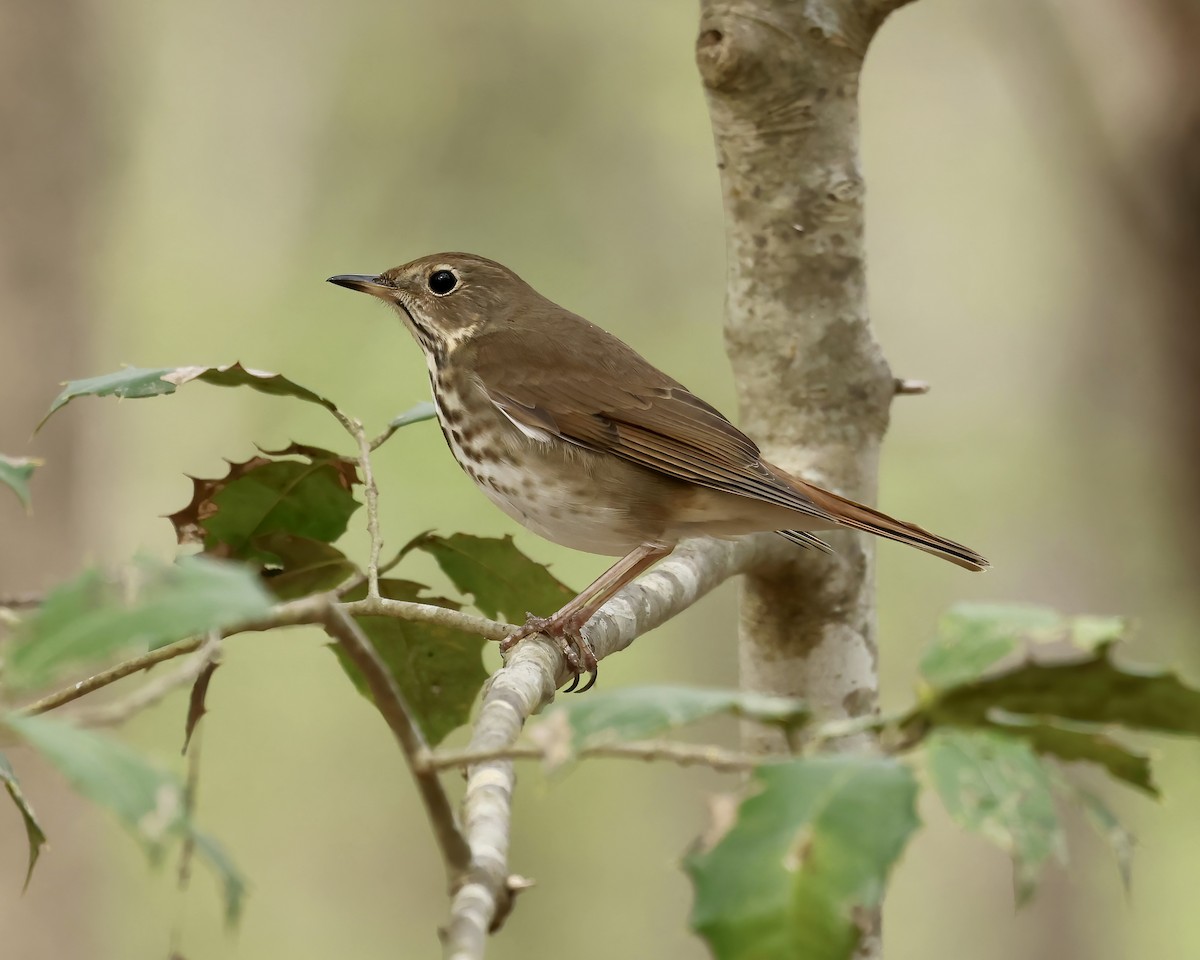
94,616
301,566
1120,841
438,669
997,787
1091,689
34,834
139,382
812,846
638,712
15,473
1079,743
502,580
973,637
147,800
309,498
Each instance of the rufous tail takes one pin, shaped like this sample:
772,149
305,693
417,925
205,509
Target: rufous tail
851,514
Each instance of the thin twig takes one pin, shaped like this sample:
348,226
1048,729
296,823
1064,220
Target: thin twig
428,613
372,497
307,610
116,713
391,704
112,675
682,754
304,610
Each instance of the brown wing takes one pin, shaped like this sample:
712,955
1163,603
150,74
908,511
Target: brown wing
585,386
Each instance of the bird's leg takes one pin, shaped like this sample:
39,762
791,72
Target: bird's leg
565,625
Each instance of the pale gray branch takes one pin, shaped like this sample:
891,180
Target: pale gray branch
429,613
528,681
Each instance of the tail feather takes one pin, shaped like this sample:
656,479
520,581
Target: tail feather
805,539
851,514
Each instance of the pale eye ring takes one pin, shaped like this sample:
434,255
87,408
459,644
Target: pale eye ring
442,282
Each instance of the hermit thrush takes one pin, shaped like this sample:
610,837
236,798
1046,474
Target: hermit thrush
576,436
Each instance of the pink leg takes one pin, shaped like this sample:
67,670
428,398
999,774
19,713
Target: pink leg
565,624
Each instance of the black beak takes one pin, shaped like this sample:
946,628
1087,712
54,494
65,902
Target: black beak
363,284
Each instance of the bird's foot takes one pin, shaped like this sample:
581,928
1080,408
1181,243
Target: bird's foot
567,633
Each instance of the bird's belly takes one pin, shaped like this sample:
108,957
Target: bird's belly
561,511
546,487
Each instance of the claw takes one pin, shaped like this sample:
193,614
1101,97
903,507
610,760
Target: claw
594,676
568,636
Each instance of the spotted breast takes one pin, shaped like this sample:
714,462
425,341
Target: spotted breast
568,495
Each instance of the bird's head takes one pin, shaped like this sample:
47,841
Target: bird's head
447,298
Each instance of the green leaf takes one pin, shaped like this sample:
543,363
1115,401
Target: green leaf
1090,689
422,411
972,637
301,566
637,712
1120,841
138,382
93,616
15,473
997,787
1091,632
812,846
147,800
504,582
1079,743
33,830
310,499
438,669
233,883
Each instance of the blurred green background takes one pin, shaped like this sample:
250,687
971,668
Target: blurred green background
176,182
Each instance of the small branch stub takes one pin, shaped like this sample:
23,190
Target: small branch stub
911,388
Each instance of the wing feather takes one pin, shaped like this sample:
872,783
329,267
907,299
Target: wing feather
623,406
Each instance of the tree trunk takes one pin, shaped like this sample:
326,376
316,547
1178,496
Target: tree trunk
814,389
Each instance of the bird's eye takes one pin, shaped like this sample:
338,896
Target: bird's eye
441,282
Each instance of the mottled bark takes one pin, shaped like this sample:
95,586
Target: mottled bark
814,389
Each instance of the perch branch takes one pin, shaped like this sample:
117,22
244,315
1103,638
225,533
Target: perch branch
527,682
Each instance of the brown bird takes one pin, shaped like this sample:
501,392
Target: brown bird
577,437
